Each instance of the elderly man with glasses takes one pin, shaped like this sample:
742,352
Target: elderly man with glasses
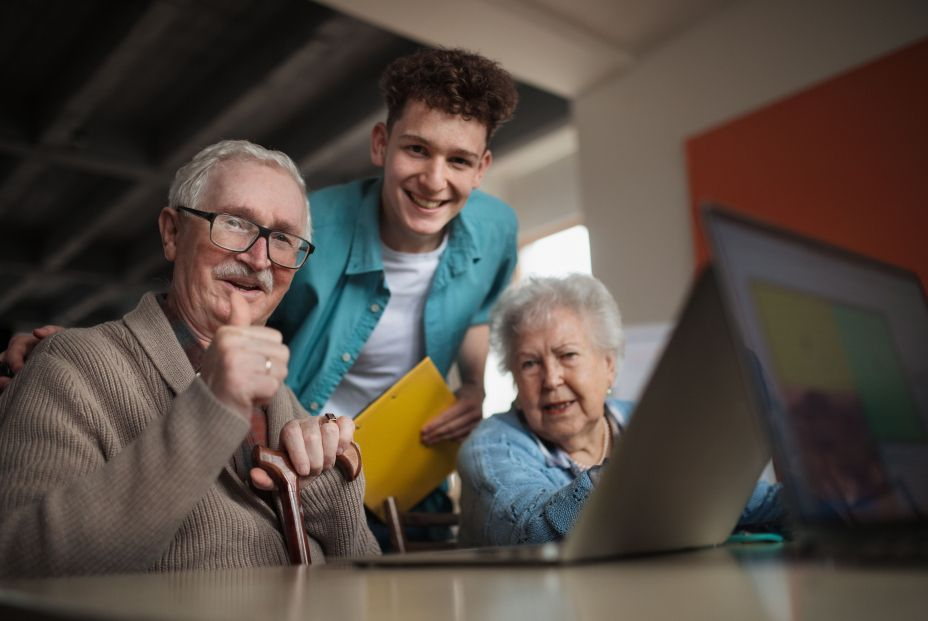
126,447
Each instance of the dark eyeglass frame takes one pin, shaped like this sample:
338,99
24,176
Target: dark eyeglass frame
263,231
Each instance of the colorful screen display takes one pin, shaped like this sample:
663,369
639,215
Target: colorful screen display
838,347
845,392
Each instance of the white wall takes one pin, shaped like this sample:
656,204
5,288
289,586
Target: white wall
544,199
541,181
632,127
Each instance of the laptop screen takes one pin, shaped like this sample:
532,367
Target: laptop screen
838,346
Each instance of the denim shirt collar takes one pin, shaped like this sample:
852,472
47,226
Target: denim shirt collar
365,253
462,242
365,244
556,457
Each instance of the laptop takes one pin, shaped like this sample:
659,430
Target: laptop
838,353
681,472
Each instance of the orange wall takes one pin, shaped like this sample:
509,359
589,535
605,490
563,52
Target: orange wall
845,161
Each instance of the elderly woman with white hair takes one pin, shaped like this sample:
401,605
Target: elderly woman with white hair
527,473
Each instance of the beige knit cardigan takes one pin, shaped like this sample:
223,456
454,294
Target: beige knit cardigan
114,457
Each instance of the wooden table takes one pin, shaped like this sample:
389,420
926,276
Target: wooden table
718,584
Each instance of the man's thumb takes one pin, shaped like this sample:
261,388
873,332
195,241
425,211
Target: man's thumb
239,313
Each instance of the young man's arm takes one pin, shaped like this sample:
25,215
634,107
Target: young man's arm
458,421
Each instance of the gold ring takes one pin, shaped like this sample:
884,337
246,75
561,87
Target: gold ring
268,365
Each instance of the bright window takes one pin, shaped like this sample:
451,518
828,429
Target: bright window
562,253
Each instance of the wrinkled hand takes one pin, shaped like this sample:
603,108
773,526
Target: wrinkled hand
19,348
235,366
459,420
311,444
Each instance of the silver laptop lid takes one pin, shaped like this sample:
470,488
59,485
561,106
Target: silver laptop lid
839,352
682,471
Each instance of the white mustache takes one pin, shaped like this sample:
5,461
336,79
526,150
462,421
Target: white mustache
233,269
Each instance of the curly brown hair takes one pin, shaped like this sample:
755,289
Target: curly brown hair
454,81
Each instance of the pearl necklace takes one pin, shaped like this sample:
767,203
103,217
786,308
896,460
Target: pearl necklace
606,436
605,449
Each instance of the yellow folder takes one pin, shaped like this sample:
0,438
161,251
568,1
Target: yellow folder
395,461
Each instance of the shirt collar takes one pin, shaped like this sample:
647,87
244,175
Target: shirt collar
462,242
365,243
185,337
365,255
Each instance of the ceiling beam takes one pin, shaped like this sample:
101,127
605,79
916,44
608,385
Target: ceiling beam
250,81
112,161
77,105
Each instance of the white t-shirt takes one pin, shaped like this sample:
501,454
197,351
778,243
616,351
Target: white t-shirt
397,342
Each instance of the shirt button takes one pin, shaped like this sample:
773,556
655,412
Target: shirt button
375,308
346,357
313,406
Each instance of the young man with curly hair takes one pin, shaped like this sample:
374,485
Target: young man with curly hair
413,259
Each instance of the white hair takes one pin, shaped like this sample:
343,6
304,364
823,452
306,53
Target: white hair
191,179
530,304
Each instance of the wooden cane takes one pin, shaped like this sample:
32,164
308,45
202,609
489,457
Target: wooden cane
278,467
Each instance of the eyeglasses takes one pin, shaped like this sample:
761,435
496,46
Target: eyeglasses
238,234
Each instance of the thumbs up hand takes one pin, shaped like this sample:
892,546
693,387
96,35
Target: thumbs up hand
244,365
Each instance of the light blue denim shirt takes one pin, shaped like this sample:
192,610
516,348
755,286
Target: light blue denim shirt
337,298
515,489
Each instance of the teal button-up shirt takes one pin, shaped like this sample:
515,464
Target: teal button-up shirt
337,298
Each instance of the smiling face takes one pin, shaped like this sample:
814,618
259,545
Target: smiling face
562,381
432,161
205,274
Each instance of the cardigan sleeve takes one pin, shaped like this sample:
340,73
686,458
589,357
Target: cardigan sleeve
334,513
506,498
72,500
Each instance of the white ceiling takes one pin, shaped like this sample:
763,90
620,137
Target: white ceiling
564,46
631,25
